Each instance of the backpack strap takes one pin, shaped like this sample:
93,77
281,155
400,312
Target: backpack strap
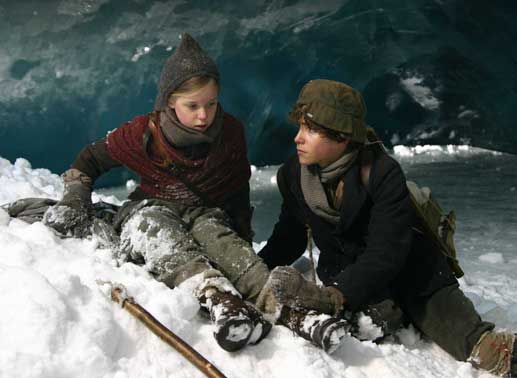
372,147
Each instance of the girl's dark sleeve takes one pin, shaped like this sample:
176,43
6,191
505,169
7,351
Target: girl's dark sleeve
289,238
94,160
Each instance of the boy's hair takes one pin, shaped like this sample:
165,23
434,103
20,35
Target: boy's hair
193,84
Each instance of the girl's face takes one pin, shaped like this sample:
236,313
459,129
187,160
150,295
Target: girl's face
196,109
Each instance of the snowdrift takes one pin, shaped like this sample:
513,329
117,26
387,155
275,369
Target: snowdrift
57,321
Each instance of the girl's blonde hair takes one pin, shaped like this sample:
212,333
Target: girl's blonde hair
191,85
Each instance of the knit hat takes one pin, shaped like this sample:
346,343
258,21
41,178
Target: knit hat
187,61
332,105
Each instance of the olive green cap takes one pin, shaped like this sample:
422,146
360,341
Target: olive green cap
335,106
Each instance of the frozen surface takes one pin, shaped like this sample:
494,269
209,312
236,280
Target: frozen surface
430,71
57,321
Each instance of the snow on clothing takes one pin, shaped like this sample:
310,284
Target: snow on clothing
372,247
165,224
170,238
374,253
230,193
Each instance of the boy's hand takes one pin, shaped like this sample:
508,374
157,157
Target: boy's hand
287,287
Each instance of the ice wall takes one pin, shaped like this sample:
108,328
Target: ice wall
431,71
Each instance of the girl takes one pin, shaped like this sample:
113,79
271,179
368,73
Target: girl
190,216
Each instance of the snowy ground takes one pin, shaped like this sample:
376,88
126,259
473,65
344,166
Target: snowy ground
56,321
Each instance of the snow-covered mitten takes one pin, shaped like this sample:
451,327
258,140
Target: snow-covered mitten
287,287
72,215
68,221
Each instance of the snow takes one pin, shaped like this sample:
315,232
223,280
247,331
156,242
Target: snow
443,151
368,330
19,180
140,51
492,258
144,234
57,319
420,93
131,185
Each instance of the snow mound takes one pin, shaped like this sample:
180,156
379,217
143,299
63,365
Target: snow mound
439,153
57,319
492,258
19,180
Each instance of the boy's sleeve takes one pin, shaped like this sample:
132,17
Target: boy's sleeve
289,238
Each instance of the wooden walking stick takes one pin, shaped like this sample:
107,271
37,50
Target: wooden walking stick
119,295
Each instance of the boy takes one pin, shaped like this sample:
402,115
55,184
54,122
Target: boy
373,256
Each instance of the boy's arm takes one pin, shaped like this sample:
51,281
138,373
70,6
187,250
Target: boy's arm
388,243
289,238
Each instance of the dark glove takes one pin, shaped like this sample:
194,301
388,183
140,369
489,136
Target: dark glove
72,215
287,287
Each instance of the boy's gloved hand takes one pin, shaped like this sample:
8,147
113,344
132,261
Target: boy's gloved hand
72,215
287,287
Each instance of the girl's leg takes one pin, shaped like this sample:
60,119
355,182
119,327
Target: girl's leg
232,254
159,237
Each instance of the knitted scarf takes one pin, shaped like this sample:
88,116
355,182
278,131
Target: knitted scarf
220,174
181,136
318,184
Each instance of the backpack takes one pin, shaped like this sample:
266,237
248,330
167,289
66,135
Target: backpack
437,226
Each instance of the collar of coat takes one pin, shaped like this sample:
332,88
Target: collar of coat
354,196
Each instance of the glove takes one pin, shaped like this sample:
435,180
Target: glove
337,299
68,221
287,287
72,215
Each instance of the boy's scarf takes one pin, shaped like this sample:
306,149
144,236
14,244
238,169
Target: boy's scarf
318,184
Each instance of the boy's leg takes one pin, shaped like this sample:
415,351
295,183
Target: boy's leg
449,319
232,254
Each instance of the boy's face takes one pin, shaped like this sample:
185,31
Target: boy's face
315,148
